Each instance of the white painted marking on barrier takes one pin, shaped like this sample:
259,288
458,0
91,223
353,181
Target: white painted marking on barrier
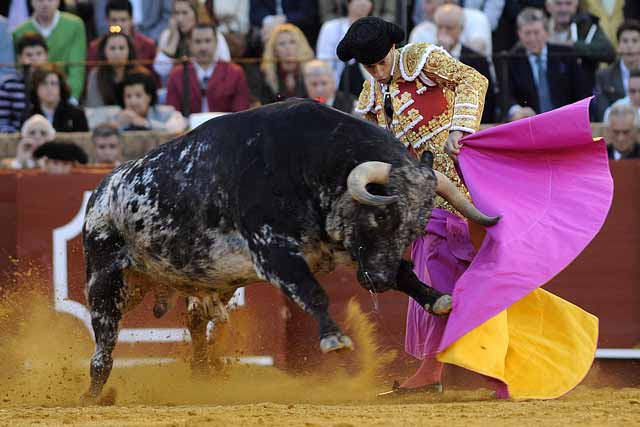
124,362
618,353
63,304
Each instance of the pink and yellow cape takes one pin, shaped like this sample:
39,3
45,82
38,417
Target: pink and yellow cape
550,182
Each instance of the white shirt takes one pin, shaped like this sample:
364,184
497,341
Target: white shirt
46,31
624,73
202,74
18,13
137,11
330,35
456,51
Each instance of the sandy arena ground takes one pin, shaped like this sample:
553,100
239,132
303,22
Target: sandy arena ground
42,377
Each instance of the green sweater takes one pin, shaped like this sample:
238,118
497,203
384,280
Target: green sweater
67,43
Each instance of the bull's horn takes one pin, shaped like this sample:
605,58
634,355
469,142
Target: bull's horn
447,190
367,173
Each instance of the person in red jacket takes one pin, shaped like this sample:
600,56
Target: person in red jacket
120,14
214,85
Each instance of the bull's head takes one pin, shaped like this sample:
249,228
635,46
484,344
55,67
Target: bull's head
384,209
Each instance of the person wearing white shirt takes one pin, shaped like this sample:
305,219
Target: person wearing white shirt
633,94
334,30
476,33
612,81
621,132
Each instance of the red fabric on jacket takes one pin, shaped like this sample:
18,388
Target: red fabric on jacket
227,89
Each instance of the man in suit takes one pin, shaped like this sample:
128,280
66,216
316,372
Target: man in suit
541,76
582,32
622,132
612,83
320,83
213,85
150,17
449,20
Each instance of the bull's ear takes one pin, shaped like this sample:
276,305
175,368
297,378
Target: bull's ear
427,158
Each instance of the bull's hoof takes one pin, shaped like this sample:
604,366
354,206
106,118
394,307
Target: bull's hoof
335,342
108,398
442,306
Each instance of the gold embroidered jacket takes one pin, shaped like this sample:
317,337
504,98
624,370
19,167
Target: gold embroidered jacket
432,94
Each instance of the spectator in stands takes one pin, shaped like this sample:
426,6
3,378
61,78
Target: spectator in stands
321,86
476,34
6,48
35,132
120,14
117,49
335,9
286,51
59,158
622,132
541,76
49,95
301,13
32,51
609,13
214,85
633,93
107,145
612,82
334,30
174,41
150,17
16,11
231,17
425,9
505,35
65,38
449,20
582,32
139,110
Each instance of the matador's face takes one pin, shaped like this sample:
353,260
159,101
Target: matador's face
381,70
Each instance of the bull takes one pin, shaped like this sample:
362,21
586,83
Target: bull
277,193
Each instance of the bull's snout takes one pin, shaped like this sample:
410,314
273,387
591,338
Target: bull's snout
376,281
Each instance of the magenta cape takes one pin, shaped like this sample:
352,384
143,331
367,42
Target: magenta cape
550,182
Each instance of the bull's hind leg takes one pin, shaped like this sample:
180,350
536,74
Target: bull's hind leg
285,267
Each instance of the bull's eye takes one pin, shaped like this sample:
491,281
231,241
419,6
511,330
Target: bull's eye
380,217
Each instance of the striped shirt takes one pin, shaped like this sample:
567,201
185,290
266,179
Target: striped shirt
12,103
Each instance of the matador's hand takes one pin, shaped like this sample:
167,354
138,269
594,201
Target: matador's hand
452,145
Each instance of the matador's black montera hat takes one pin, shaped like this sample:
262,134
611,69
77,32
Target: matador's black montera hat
369,40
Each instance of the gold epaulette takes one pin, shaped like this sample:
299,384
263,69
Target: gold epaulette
413,57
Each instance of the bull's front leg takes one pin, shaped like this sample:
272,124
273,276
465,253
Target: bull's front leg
286,268
429,298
